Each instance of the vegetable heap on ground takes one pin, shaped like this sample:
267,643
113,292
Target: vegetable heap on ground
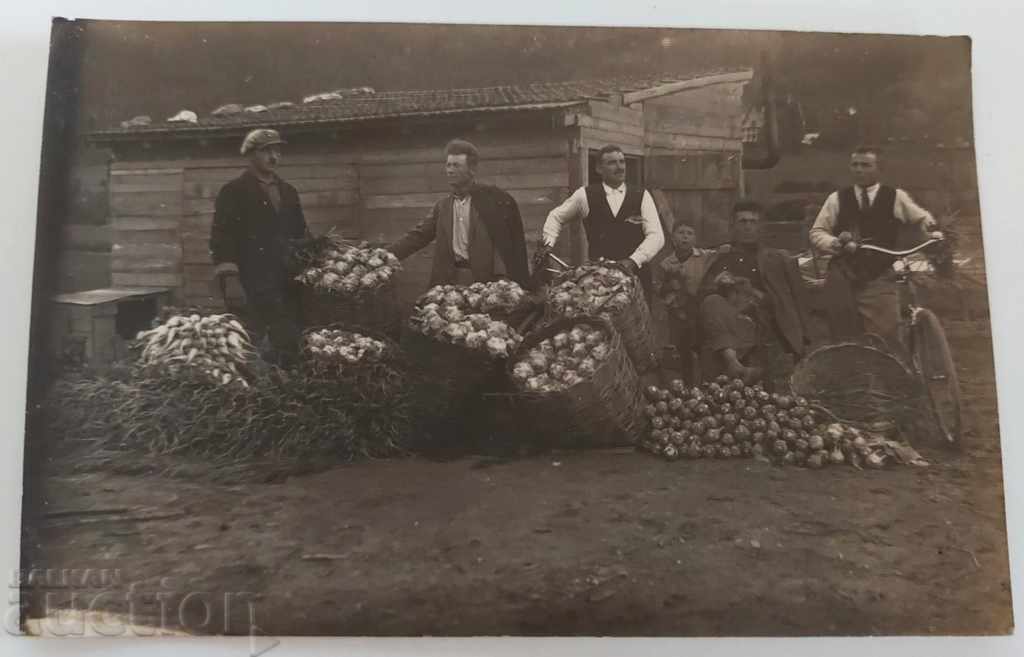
500,296
214,346
728,419
339,267
591,289
563,360
336,349
446,315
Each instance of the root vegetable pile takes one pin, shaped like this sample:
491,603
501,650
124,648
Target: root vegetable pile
215,346
563,360
350,270
495,297
728,419
592,288
336,349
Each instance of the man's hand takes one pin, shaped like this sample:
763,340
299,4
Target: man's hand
225,269
737,370
846,242
630,266
724,249
226,275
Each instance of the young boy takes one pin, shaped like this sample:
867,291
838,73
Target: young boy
677,279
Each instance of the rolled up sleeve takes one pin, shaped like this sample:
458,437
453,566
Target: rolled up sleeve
909,212
572,209
654,235
823,232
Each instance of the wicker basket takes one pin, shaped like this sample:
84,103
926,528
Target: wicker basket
457,372
378,312
392,356
858,384
633,323
604,410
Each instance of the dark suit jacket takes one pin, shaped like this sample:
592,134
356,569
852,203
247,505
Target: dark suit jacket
248,231
784,286
497,244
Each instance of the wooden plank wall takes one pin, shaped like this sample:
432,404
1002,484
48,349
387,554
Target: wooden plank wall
162,211
694,154
700,186
399,187
145,212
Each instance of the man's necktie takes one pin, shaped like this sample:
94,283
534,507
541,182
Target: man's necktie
865,200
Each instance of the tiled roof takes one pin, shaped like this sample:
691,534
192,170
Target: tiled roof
363,105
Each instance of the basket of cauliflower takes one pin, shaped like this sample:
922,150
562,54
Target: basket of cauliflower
451,338
576,385
605,289
346,282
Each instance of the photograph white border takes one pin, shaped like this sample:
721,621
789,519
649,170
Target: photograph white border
999,136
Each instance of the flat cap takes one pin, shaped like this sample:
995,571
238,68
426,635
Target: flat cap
261,138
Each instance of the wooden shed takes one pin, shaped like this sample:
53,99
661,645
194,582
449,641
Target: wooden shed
370,164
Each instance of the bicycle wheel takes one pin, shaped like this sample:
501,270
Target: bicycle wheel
934,363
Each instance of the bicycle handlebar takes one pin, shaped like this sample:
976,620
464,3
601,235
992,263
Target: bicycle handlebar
936,238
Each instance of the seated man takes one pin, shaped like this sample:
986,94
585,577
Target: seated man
730,333
780,310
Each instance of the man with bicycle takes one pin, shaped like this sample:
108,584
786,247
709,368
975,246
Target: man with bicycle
860,287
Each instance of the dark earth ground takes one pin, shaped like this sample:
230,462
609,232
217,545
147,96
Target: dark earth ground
594,543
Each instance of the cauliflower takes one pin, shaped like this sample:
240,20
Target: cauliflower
522,371
537,360
497,347
476,340
497,330
600,352
587,368
453,314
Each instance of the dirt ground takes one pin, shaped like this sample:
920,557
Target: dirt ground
595,543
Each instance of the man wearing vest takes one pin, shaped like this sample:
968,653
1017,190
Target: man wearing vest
621,222
861,286
477,230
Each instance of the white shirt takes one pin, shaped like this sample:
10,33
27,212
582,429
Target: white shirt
823,233
460,227
576,207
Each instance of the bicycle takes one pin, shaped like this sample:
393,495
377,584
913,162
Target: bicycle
832,371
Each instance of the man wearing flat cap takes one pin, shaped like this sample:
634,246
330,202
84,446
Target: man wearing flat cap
257,221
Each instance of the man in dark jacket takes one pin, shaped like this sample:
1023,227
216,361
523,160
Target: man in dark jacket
779,310
257,220
476,230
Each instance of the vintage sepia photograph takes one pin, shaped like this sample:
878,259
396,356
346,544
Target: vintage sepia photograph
380,329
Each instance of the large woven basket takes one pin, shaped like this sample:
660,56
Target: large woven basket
457,372
633,323
378,312
604,410
859,384
393,354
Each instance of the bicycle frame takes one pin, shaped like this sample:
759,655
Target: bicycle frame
904,279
